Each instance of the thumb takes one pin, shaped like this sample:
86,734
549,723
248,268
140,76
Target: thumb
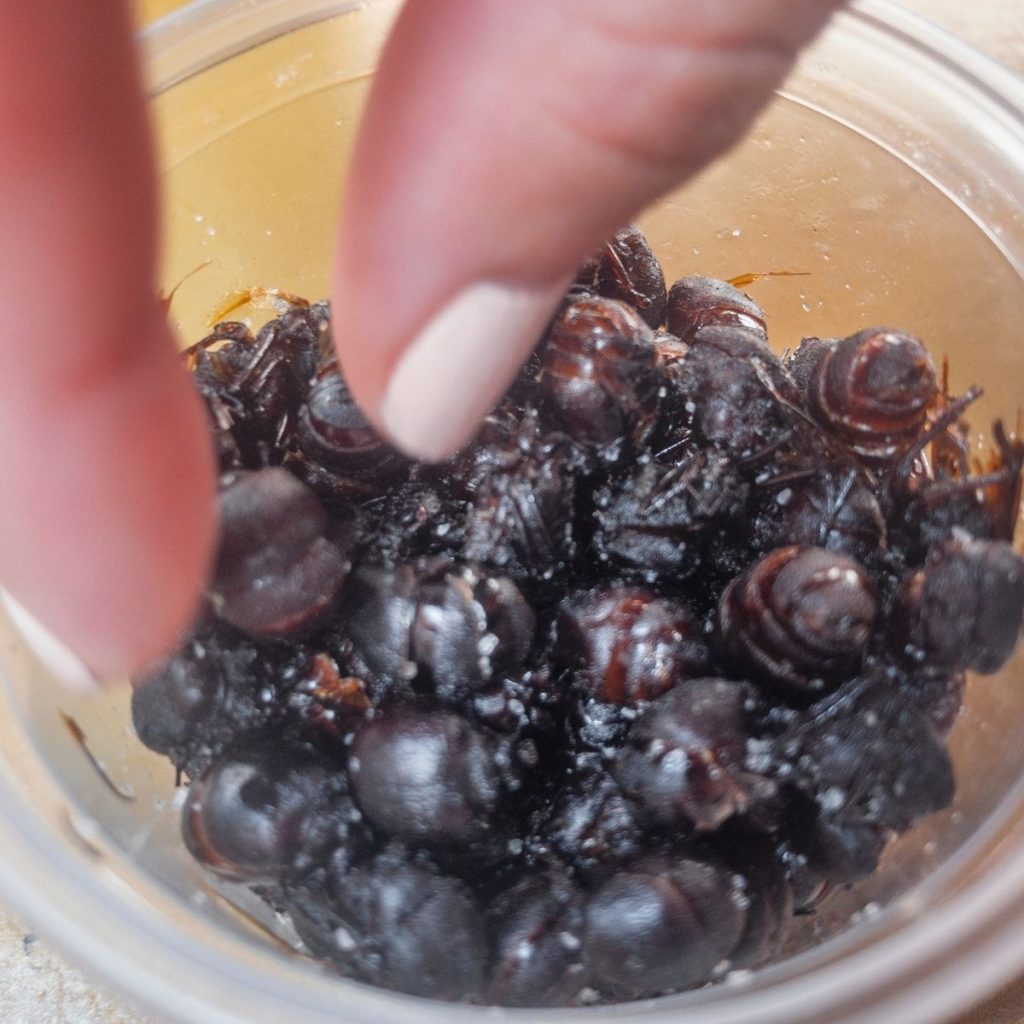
504,142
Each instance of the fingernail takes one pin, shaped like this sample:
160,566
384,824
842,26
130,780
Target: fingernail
458,367
55,656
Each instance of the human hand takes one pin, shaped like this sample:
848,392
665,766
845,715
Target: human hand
503,142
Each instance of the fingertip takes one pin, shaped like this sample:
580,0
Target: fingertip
156,582
56,658
110,545
455,370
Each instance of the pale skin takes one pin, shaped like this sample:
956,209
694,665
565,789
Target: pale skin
503,141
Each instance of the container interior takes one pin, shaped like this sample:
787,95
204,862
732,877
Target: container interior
866,196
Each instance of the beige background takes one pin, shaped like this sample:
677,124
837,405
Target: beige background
38,987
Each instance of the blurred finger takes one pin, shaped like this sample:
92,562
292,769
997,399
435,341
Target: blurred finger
504,142
108,476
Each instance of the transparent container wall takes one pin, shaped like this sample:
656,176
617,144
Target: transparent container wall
873,239
887,219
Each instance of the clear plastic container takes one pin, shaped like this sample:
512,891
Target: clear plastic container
889,173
